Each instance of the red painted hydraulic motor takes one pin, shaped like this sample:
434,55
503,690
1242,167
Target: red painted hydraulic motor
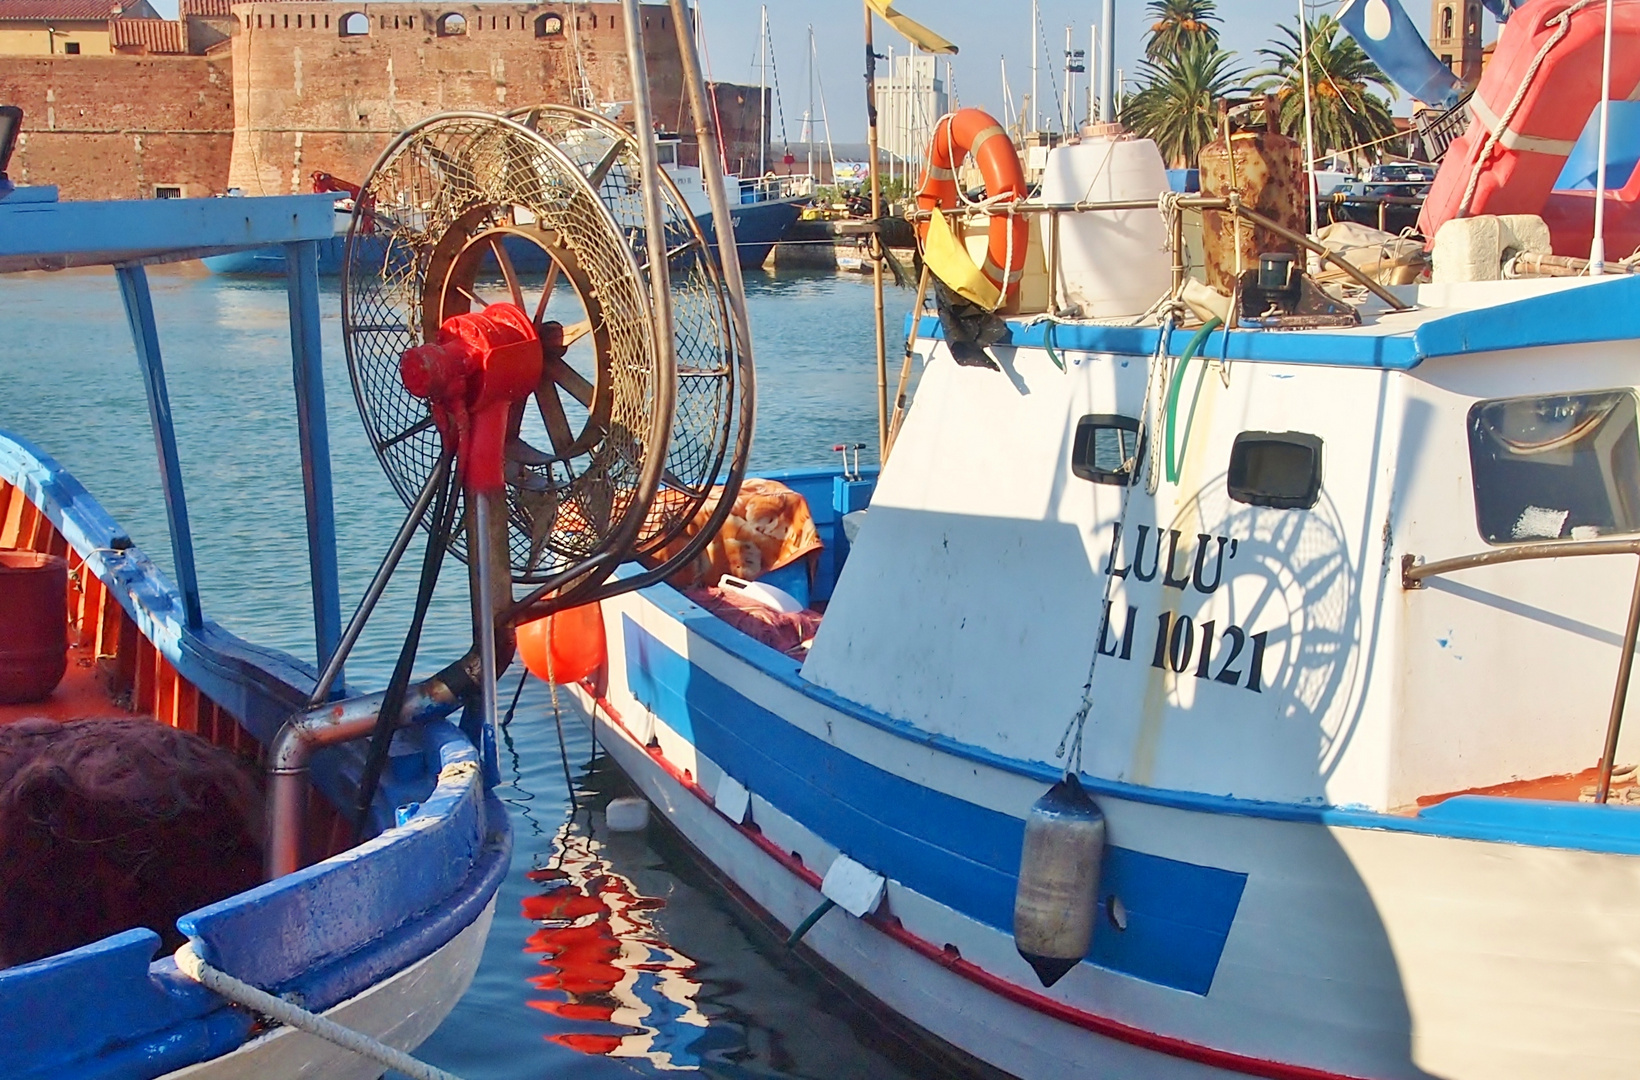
480,364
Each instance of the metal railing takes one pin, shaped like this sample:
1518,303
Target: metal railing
1232,204
1414,574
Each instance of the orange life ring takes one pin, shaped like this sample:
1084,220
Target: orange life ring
1556,44
974,131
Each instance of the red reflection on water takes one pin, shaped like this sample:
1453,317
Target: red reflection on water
606,964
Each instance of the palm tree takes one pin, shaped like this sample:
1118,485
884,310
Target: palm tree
1178,21
1178,105
1346,114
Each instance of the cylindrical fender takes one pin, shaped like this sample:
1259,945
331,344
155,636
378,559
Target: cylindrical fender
974,131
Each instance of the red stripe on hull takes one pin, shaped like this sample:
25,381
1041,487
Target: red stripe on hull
890,926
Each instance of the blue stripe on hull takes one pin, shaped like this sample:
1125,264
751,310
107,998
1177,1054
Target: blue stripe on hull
955,852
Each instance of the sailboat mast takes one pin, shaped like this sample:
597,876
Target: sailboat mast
1034,51
1067,116
763,94
1093,72
808,113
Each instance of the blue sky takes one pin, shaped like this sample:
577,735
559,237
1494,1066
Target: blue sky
985,31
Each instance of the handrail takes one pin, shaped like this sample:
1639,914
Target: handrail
1414,573
1233,204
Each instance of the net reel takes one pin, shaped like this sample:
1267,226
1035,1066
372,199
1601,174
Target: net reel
543,210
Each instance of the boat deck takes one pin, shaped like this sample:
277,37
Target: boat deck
82,695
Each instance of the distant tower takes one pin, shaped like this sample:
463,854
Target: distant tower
1455,36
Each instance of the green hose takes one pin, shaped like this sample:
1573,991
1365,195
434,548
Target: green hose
1190,351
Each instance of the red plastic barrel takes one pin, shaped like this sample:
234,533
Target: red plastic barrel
33,625
566,647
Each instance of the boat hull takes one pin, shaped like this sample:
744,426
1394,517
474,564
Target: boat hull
1260,940
758,227
401,1011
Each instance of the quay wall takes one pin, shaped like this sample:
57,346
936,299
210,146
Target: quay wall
119,127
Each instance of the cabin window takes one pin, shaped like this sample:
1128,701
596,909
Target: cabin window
1106,449
71,48
549,25
1278,469
1562,467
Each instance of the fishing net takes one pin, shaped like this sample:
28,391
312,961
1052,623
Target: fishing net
106,825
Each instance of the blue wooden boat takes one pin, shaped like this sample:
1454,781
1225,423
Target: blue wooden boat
382,936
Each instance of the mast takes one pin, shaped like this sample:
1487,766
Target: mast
1309,128
1107,65
876,238
808,113
1034,51
1093,58
1007,98
763,95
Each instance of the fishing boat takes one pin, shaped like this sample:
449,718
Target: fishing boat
132,789
762,212
1207,685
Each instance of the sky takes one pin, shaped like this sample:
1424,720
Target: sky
985,31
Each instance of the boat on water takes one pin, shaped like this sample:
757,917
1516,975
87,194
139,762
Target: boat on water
1212,682
132,791
763,211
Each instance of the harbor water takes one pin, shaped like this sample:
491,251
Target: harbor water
610,955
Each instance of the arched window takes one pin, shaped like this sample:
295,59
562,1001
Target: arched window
451,25
1473,27
354,24
549,25
1446,22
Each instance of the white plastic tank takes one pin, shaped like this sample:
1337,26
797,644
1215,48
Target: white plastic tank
1112,264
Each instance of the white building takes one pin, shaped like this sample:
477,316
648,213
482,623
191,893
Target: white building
910,101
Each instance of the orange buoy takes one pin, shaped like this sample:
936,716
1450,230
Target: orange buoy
33,625
974,131
564,647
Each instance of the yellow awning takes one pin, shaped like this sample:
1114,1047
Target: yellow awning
949,261
920,35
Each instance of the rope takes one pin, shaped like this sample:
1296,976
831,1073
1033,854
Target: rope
1072,738
1563,26
291,1015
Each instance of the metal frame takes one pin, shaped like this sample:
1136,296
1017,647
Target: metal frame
1414,574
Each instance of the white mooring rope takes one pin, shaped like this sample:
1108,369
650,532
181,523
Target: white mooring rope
277,1008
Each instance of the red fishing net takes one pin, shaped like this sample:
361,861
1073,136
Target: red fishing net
106,825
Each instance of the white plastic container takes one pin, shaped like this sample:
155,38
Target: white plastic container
1112,264
629,814
762,593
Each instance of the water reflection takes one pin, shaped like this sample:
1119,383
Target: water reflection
609,969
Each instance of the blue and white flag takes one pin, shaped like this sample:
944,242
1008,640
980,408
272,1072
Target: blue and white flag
1387,35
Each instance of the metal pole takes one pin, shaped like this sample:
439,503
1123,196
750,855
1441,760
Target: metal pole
378,584
762,89
808,114
1597,250
313,436
905,364
1107,66
1034,51
492,592
139,312
1309,127
1614,725
877,238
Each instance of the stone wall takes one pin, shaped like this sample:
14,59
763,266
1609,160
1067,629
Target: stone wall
116,127
310,97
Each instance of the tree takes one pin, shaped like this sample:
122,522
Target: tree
1178,103
1179,21
1346,114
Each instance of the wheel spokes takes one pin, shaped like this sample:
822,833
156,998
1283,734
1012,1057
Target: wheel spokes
499,247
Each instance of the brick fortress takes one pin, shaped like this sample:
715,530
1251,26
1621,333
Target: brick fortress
259,95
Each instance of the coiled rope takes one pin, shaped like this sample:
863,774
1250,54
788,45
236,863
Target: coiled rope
292,1015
